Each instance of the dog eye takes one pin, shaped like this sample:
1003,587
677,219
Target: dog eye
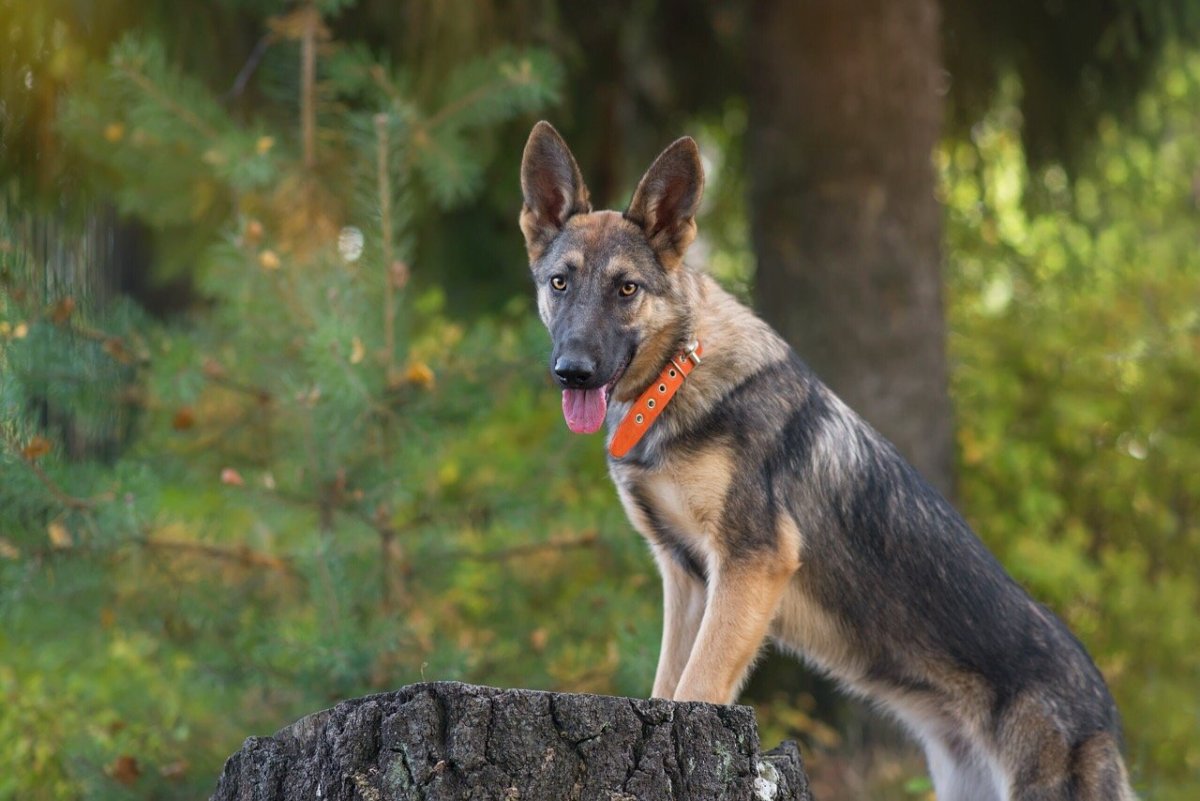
628,288
558,282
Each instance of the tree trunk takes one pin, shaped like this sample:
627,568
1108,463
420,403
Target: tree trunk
845,109
443,741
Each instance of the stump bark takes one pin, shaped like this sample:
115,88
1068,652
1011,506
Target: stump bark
444,740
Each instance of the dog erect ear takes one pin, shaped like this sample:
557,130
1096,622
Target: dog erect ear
666,201
552,186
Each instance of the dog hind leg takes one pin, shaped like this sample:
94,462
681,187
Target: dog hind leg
960,773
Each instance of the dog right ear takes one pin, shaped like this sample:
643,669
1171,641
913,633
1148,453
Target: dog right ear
552,187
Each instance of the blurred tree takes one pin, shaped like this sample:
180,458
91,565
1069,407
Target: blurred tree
845,110
1076,62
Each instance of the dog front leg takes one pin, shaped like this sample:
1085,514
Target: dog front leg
683,608
742,600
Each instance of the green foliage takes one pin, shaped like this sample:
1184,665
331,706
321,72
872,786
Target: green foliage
1075,339
347,495
321,485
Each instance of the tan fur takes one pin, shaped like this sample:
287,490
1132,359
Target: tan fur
683,609
707,659
802,627
690,492
743,598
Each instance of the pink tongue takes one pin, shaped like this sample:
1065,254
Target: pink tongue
584,409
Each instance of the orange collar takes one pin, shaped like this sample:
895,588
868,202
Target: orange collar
651,403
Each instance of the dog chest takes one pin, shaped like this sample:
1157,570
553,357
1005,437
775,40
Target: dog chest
679,504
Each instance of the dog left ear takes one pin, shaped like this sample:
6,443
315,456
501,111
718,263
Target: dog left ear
667,199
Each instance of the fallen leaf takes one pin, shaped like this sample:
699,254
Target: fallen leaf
115,347
174,770
398,275
357,351
264,144
213,368
61,311
114,132
8,550
37,448
254,232
20,330
124,769
184,419
60,537
232,477
537,639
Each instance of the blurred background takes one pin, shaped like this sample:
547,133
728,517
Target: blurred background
275,421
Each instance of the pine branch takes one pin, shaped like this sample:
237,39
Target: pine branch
586,540
166,101
239,554
60,494
477,95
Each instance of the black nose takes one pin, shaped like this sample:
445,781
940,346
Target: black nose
574,371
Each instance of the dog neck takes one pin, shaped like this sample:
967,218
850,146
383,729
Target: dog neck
654,400
736,344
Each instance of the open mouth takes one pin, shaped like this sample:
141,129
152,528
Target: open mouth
585,409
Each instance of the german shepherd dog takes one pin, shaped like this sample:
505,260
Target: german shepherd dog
772,509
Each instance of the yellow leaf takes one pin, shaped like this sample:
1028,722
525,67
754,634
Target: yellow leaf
357,351
268,260
264,144
448,474
60,538
8,550
419,373
114,132
20,330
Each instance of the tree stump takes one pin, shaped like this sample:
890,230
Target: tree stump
445,740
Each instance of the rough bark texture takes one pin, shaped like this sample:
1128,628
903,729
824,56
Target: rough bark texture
447,741
845,110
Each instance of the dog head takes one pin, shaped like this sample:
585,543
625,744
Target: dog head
610,286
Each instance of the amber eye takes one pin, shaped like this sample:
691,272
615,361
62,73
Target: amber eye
558,282
628,288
